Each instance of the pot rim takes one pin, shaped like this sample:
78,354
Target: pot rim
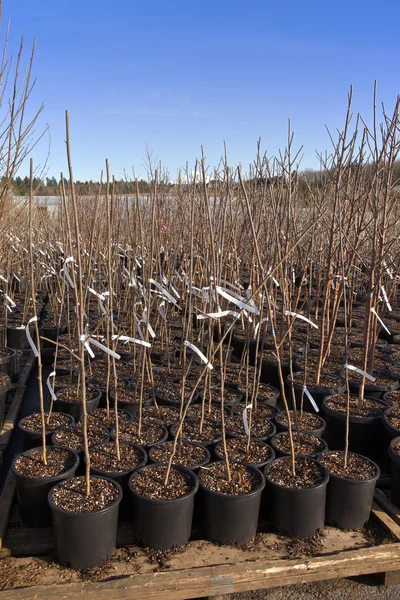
299,490
232,497
198,444
51,431
45,479
189,472
355,481
86,513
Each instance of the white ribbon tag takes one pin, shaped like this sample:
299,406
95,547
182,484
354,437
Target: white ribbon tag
126,339
84,340
288,313
161,311
164,292
245,422
28,335
219,315
380,320
104,348
357,370
199,353
386,299
64,271
238,303
258,325
311,399
12,303
50,387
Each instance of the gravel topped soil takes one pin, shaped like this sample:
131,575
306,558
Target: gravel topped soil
191,431
132,394
305,444
165,415
264,390
34,422
260,427
150,483
4,352
151,432
211,414
230,396
382,379
104,457
99,417
100,383
358,467
62,381
187,454
215,478
327,381
396,447
172,391
258,452
31,464
306,421
72,394
263,410
308,472
4,379
393,417
71,494
369,407
393,397
71,436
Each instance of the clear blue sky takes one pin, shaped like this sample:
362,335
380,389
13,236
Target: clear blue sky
178,74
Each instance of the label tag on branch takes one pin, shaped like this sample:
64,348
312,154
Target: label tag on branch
384,294
311,399
50,387
199,353
288,313
245,421
238,303
360,372
126,339
258,325
28,336
165,293
380,320
219,315
64,271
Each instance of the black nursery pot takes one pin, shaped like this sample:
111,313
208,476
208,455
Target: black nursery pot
374,391
229,519
297,512
3,397
318,393
16,338
75,408
348,501
7,363
33,439
394,472
85,540
163,524
32,492
317,432
366,434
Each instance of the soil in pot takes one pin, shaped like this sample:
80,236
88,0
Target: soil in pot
171,393
265,411
295,503
151,433
210,433
211,413
230,507
256,454
72,436
384,383
84,527
265,393
99,417
129,398
69,400
34,480
350,489
391,421
165,415
188,454
305,444
231,397
8,358
392,397
163,514
31,428
366,432
328,385
307,421
5,385
260,427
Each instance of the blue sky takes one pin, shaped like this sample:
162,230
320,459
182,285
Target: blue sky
177,75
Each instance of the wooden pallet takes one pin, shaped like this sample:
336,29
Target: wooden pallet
202,569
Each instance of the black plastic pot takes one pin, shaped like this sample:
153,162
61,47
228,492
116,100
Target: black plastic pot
33,439
3,397
75,408
270,372
239,346
366,434
16,338
122,478
32,493
394,472
297,512
374,391
348,501
85,540
163,524
229,519
7,363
